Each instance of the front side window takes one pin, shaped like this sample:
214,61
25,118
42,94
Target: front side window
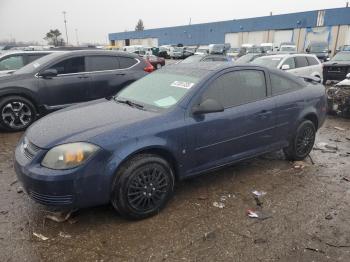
102,63
282,85
11,63
237,88
70,66
290,61
301,61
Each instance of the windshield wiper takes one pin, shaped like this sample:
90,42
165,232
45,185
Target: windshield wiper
130,103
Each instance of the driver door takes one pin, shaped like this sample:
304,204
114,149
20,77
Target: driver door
70,86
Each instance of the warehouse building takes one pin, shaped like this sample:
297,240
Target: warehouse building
330,25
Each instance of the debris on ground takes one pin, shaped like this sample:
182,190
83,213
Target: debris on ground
345,179
13,182
61,234
4,212
209,235
60,217
42,237
258,214
19,190
339,128
315,250
259,193
218,204
329,217
347,138
202,198
320,146
326,148
299,164
335,140
260,241
331,147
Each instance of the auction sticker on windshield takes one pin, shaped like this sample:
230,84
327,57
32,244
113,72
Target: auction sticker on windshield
182,84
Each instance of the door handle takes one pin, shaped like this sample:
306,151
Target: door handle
83,77
120,74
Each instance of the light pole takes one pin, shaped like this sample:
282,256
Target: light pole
65,24
76,35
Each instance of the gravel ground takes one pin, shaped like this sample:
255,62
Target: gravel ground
306,213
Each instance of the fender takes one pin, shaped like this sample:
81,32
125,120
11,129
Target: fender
19,91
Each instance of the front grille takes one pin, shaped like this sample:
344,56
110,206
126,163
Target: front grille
29,149
51,200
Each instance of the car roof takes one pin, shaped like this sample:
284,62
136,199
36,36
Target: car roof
289,55
100,52
27,52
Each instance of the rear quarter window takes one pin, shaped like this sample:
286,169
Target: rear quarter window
301,61
282,84
312,60
126,62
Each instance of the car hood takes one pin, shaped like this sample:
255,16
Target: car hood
337,63
345,82
84,122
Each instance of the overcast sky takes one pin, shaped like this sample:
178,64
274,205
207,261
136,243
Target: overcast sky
27,20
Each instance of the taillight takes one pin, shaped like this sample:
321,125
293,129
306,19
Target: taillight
149,68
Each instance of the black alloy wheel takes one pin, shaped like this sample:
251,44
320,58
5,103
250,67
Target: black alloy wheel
302,143
16,113
142,186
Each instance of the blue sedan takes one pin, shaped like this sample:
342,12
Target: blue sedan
176,123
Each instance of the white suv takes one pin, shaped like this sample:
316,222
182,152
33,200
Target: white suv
298,64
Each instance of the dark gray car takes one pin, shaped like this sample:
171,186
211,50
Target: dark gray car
62,79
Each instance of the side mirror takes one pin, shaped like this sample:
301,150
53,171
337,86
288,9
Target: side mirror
348,76
307,50
285,67
329,51
48,73
208,106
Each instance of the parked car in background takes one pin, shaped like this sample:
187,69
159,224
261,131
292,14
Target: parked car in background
320,49
177,52
63,79
206,58
268,47
233,52
298,64
14,60
219,49
338,98
155,61
343,48
337,68
202,51
173,124
248,58
287,49
164,51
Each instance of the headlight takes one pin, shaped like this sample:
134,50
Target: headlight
68,156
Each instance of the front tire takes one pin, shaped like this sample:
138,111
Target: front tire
16,113
302,142
143,186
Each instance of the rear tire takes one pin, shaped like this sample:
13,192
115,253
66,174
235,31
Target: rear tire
302,142
16,113
142,186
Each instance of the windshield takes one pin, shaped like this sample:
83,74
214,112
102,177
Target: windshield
159,90
178,49
288,48
193,59
271,62
37,64
319,48
346,48
342,56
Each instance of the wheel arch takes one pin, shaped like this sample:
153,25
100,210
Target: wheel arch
313,118
20,92
156,150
